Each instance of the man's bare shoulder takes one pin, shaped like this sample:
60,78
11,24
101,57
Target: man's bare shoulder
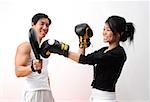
24,47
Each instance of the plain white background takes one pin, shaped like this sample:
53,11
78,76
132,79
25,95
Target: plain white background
70,82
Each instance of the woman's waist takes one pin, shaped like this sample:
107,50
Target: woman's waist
100,94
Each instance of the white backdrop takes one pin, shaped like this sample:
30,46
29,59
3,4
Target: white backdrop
70,82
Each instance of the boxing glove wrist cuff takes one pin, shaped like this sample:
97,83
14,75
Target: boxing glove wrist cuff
32,68
84,43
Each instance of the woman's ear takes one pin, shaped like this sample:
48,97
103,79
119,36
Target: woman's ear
121,34
118,35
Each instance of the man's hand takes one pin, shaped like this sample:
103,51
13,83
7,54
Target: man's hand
36,65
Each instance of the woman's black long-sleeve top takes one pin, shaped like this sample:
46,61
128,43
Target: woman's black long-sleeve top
107,67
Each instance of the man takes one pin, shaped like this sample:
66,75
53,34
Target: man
37,88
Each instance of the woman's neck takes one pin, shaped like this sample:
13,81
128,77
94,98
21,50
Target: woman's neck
112,46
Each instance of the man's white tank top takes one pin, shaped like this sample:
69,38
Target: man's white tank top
36,81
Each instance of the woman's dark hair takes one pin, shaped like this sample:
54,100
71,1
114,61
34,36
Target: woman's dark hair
119,25
38,16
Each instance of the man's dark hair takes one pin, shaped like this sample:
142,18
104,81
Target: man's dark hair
38,16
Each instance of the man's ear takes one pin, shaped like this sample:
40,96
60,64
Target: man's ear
32,24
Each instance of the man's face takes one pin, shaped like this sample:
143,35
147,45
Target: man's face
41,27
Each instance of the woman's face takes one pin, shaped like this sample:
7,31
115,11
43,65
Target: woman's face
108,35
42,27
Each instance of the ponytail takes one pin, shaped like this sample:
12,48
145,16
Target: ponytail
128,33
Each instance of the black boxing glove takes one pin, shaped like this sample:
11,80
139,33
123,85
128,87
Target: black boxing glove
53,46
84,33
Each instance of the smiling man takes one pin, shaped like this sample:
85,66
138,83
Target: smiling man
37,87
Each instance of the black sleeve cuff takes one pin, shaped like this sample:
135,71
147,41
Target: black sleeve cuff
82,59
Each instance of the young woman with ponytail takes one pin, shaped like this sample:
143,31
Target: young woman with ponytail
107,61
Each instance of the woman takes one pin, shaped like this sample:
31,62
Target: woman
107,61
